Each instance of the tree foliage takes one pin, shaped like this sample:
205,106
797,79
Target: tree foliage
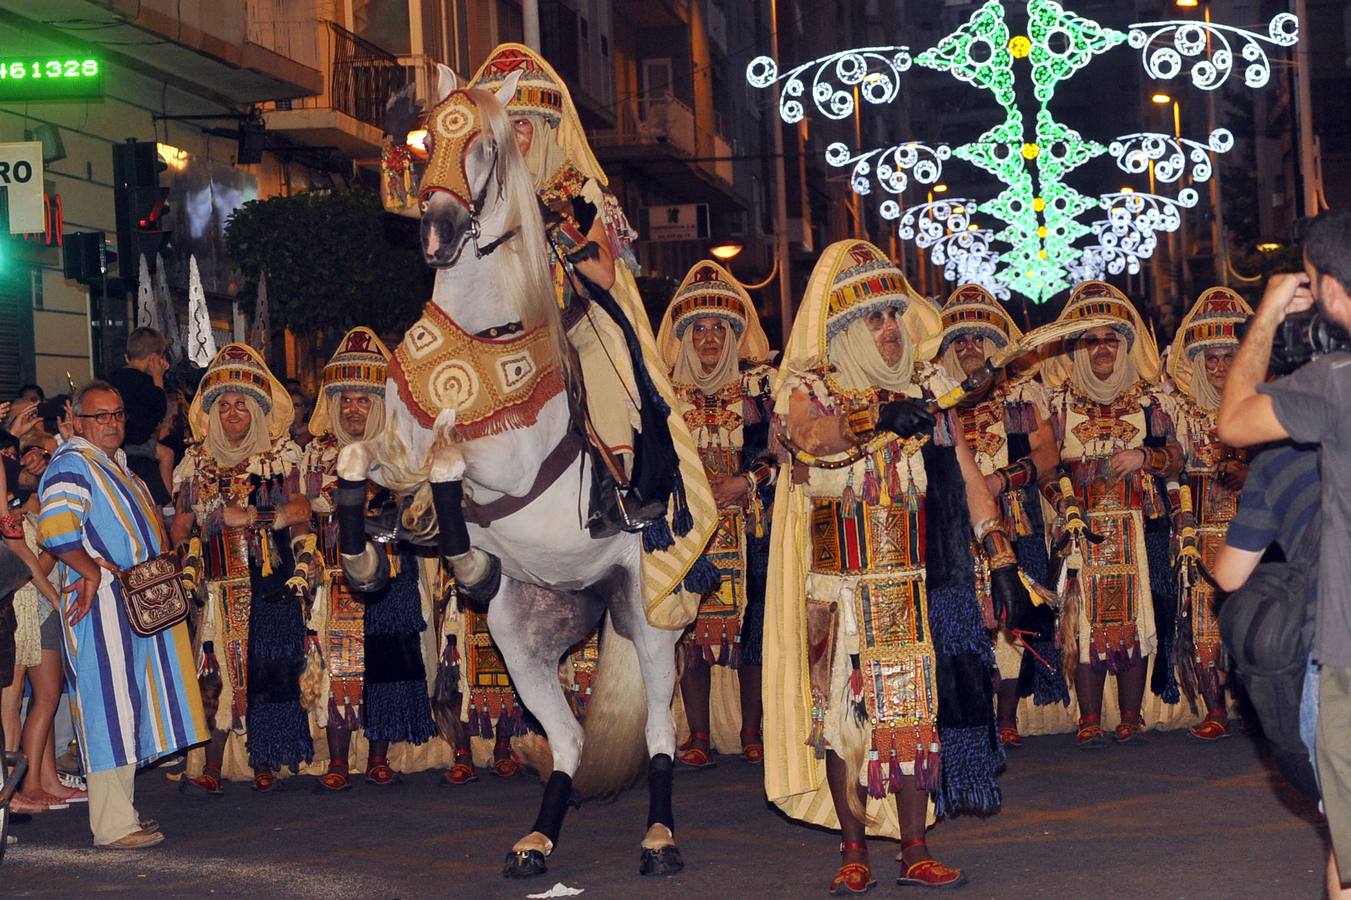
334,259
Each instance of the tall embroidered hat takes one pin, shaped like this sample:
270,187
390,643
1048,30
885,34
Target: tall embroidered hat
971,309
851,279
542,92
1098,298
239,369
1212,323
710,290
360,363
538,93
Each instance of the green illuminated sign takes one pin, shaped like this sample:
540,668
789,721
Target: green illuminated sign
50,78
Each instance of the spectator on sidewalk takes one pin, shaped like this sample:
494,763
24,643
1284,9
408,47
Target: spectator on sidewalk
1311,406
141,384
135,698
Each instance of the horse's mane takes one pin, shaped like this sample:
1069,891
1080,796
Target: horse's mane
527,277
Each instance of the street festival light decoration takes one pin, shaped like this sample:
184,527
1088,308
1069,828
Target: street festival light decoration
1045,246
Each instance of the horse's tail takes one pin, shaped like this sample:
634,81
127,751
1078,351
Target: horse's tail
614,749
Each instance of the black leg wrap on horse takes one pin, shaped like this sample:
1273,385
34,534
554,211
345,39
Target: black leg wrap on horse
477,595
557,793
659,770
350,500
447,501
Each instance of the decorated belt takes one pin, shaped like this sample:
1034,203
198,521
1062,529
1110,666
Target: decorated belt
1092,478
226,555
861,538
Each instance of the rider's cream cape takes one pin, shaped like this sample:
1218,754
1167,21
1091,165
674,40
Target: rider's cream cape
795,780
667,604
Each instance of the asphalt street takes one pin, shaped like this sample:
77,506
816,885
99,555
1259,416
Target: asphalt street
1171,819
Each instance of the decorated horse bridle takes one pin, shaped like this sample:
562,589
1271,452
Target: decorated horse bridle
454,126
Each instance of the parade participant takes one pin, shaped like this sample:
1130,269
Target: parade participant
874,639
1202,351
373,675
237,495
712,340
1117,444
1010,436
134,699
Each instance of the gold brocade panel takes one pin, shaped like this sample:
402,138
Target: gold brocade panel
345,651
232,639
490,692
716,632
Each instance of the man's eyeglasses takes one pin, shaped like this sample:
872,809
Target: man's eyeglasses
1091,342
103,418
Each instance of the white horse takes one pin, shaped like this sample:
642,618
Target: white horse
525,552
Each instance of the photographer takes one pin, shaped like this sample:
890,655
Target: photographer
141,384
1311,406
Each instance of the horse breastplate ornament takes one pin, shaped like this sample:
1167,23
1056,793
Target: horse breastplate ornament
494,385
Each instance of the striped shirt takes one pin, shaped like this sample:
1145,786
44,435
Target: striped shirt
1279,499
134,699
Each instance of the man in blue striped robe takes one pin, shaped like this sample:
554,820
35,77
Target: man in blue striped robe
134,699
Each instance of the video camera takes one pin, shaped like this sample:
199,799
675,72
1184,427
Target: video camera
1304,337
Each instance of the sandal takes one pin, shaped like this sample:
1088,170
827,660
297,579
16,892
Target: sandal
753,751
204,785
264,782
930,873
693,756
29,806
379,773
1211,730
1090,735
854,877
508,766
1008,734
462,772
1132,728
334,780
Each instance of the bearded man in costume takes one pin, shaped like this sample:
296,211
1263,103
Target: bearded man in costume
874,632
1118,446
373,677
237,492
1008,432
712,340
1199,364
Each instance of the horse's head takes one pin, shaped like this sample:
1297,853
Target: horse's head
464,175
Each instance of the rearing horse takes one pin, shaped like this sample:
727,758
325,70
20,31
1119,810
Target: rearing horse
480,410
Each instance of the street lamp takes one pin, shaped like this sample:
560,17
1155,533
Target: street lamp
1187,4
726,251
1161,99
940,188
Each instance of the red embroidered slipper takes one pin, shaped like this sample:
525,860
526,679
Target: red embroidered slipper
752,750
264,782
333,781
1210,730
853,877
1132,728
463,770
695,757
508,766
1090,735
1008,734
379,773
930,873
204,785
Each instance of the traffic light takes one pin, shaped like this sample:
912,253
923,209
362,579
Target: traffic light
140,202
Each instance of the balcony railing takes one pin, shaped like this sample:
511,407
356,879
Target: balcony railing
667,121
363,76
282,27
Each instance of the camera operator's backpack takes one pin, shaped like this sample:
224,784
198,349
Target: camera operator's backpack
1268,632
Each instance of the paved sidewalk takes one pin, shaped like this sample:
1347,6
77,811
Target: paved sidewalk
1171,819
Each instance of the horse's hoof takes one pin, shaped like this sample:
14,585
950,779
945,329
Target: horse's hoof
662,861
524,864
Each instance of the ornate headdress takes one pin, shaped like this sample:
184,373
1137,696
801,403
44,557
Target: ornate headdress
240,369
710,290
1098,298
971,309
851,279
1212,323
541,92
360,364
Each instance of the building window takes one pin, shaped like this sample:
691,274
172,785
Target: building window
383,23
510,22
